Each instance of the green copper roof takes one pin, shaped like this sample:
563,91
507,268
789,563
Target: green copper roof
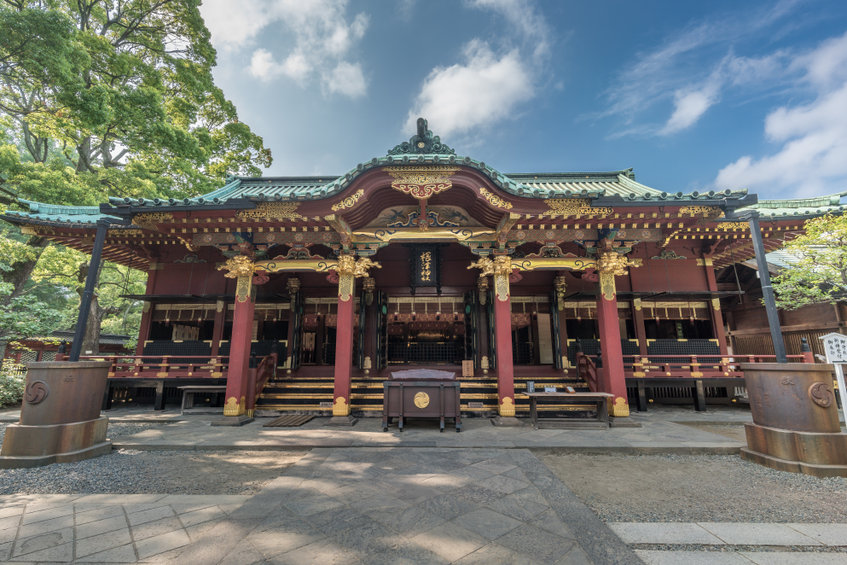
56,214
800,207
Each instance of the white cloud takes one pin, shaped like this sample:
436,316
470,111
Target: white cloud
812,157
523,15
482,89
322,38
689,106
346,79
675,76
488,84
264,67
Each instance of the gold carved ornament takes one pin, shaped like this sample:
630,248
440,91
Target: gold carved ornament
348,202
574,207
149,220
421,182
704,211
348,270
561,285
234,407
500,267
272,211
610,265
495,200
240,268
340,407
507,407
620,409
421,400
726,226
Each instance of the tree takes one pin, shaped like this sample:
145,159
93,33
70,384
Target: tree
818,273
111,98
26,315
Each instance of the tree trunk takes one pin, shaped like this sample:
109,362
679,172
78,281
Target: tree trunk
21,272
91,338
3,344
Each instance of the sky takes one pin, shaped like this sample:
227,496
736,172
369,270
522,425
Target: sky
693,95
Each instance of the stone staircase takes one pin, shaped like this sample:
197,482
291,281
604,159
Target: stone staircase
293,394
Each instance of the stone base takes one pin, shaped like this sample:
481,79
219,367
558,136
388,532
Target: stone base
342,421
813,453
31,446
233,420
508,421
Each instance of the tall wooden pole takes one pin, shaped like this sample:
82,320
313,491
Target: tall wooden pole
88,292
767,289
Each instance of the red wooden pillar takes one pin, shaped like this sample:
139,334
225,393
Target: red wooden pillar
348,269
241,269
638,323
343,345
503,337
147,311
715,306
612,264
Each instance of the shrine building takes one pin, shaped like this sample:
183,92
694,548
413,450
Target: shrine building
302,294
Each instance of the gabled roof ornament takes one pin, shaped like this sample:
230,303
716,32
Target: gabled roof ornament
422,142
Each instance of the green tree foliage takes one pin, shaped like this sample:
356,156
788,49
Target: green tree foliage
109,98
819,274
28,314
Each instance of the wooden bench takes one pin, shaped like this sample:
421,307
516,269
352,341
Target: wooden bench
599,399
188,393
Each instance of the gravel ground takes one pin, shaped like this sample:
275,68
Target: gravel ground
693,488
126,471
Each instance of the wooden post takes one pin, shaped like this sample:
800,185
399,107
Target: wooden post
715,306
88,293
503,337
348,270
482,321
218,326
343,345
235,408
610,265
638,323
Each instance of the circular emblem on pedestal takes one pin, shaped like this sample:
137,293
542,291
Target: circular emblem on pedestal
421,400
821,395
36,392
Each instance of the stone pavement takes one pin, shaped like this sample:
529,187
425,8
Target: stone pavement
365,496
657,431
731,543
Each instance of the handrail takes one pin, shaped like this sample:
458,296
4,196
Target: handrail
214,366
587,370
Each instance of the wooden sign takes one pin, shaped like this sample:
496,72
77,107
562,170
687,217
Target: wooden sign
835,347
467,368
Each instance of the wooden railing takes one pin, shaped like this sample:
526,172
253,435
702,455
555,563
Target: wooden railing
163,366
694,366
586,370
259,377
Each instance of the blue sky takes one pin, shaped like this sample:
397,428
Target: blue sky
692,95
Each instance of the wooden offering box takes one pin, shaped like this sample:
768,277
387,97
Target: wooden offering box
421,393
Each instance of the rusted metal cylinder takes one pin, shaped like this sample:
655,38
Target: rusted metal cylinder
63,392
792,396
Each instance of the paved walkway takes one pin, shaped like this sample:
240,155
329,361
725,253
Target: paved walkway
655,431
366,496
